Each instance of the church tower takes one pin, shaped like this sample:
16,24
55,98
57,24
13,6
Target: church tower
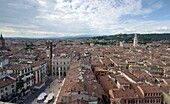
2,43
135,40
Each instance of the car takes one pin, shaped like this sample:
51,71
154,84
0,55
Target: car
21,102
35,90
22,99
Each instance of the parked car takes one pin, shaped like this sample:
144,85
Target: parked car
34,90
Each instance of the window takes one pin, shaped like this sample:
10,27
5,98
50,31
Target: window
140,101
6,88
147,101
158,100
78,92
12,86
135,101
125,101
153,100
1,90
129,101
22,71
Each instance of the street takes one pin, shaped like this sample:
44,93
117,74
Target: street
51,86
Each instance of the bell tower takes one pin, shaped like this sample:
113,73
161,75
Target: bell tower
135,40
49,52
2,43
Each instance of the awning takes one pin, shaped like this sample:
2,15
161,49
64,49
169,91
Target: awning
41,96
49,97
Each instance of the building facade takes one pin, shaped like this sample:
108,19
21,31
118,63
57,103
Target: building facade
60,66
7,86
24,79
40,72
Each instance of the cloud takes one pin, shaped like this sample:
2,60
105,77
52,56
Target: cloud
19,31
93,13
74,17
7,30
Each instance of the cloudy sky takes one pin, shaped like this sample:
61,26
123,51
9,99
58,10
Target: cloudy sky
48,18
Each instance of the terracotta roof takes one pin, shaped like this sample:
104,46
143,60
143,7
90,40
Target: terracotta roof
80,79
100,69
107,83
122,80
14,75
131,76
149,89
124,94
35,64
5,82
19,67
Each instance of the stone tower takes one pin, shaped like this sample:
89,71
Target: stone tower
135,40
49,56
2,43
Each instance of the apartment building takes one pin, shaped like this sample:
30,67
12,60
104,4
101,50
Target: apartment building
24,79
7,86
40,72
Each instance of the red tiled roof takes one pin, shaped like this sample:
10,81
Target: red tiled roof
5,82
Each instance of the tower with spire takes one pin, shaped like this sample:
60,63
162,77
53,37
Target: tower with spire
2,43
135,40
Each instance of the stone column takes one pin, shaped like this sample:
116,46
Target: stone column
62,71
59,72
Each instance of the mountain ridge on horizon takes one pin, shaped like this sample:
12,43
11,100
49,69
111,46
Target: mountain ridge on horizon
85,36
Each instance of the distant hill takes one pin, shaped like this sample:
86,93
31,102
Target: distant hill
142,38
128,38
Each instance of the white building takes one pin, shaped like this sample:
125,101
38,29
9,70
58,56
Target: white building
60,65
4,61
40,72
25,77
7,86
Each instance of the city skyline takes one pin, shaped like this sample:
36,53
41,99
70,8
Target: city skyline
40,18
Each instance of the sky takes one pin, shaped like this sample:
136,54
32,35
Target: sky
58,18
